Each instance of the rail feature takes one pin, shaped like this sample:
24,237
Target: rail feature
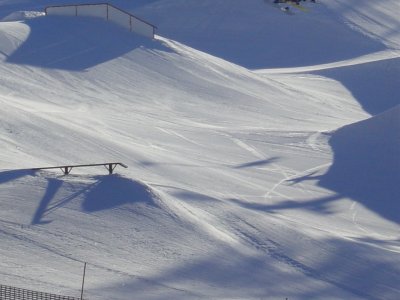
67,168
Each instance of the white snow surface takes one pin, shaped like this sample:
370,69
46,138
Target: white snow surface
262,151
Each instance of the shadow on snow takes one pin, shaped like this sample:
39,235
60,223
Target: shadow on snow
235,275
6,176
366,169
374,85
257,36
106,192
257,163
366,164
76,43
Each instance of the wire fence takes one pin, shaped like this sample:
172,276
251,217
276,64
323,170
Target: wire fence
13,293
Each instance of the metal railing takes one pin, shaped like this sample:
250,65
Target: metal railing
108,12
14,293
67,169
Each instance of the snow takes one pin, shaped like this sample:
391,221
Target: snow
262,165
22,15
367,163
228,31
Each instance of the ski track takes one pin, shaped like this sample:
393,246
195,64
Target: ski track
246,234
58,252
312,141
184,121
271,248
354,212
286,176
258,155
305,172
174,133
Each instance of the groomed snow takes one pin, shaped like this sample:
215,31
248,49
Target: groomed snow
280,182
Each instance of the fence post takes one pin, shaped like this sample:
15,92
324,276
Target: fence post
83,280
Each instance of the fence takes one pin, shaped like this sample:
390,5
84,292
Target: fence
13,293
107,12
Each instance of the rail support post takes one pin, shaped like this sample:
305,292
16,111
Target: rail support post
66,170
111,168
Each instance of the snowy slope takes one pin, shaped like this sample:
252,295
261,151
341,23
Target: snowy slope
254,35
378,20
235,187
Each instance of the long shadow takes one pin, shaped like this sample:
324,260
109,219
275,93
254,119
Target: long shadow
50,203
76,43
10,175
257,163
347,271
320,205
52,188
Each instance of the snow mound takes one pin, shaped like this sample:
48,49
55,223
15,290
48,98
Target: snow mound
22,15
367,163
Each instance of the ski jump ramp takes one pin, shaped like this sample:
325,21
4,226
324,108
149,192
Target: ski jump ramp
107,12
